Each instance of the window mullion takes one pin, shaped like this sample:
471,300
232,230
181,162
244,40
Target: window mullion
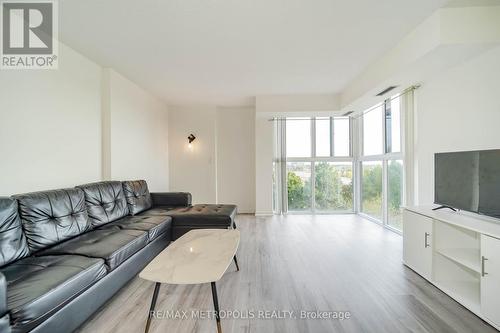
385,192
313,137
351,127
384,164
332,135
313,155
361,136
354,150
284,174
313,187
386,129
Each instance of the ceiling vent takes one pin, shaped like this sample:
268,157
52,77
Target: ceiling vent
386,90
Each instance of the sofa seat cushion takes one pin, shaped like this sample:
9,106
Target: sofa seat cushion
50,217
210,215
39,286
105,201
185,219
113,245
153,225
159,211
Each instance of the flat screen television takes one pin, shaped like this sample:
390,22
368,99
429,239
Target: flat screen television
469,181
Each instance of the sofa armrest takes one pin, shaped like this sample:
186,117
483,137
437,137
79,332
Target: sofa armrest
171,199
3,295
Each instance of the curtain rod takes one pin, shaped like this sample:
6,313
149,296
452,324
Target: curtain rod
407,90
305,118
411,88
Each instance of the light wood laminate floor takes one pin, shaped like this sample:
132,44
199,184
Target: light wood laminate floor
299,262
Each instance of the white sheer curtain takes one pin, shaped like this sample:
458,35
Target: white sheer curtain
408,111
280,204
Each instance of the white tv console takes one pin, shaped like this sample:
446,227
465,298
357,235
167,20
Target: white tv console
457,252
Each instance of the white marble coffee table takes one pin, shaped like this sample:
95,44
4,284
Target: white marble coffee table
199,256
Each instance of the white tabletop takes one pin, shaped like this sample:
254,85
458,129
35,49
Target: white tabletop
199,256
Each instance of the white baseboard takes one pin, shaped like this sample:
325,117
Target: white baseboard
246,212
264,213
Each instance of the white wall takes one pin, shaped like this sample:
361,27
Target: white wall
297,103
78,124
138,133
236,157
447,38
457,110
220,166
193,170
50,125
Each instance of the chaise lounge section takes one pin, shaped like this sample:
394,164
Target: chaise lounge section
185,216
64,253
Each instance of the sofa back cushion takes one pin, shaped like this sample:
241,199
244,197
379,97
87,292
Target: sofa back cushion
137,195
13,245
105,202
49,217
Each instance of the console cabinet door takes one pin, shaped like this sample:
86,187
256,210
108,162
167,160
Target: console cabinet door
417,242
490,278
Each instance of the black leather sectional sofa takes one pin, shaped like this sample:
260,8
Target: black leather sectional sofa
64,253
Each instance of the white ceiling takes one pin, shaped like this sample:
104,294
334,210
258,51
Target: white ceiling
225,52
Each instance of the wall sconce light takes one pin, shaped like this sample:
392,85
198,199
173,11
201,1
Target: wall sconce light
191,138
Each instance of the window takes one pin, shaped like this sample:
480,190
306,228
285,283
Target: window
299,185
333,189
298,137
393,126
318,167
395,193
323,137
381,163
315,171
372,132
341,144
275,188
371,189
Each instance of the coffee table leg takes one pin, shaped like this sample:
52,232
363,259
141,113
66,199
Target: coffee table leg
236,262
216,307
153,303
